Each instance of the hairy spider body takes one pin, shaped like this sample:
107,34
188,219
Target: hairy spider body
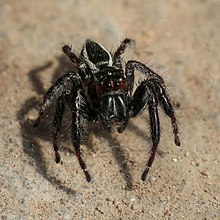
101,90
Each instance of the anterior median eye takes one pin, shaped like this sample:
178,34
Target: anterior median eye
117,84
108,85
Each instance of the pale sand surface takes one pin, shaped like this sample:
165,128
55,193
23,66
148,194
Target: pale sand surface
181,41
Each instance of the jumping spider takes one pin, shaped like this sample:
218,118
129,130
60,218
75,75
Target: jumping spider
102,91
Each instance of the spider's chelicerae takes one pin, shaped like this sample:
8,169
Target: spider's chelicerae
102,90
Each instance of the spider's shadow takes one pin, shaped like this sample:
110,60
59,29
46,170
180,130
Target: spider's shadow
31,135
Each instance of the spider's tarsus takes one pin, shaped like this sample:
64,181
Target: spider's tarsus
177,141
66,48
88,177
73,57
121,129
144,175
128,41
36,123
57,157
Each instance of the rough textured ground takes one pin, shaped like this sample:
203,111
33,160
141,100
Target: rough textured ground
180,40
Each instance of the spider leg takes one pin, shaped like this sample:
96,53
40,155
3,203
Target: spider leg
121,49
169,110
151,92
57,126
73,57
63,85
163,95
145,95
140,98
155,133
131,65
76,132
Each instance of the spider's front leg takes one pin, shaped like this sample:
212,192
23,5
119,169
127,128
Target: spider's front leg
76,106
57,126
150,92
155,133
160,89
145,96
63,85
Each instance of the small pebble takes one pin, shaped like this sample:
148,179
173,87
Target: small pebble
204,173
175,160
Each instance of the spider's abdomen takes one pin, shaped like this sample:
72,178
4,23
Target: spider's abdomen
96,54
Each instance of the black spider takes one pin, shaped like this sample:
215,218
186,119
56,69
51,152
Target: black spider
101,90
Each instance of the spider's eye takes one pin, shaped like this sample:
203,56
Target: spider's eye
108,85
117,84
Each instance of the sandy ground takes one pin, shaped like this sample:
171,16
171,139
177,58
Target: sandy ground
180,40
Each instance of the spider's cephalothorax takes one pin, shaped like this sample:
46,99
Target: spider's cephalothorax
101,90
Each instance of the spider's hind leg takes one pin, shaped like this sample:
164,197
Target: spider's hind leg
77,105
